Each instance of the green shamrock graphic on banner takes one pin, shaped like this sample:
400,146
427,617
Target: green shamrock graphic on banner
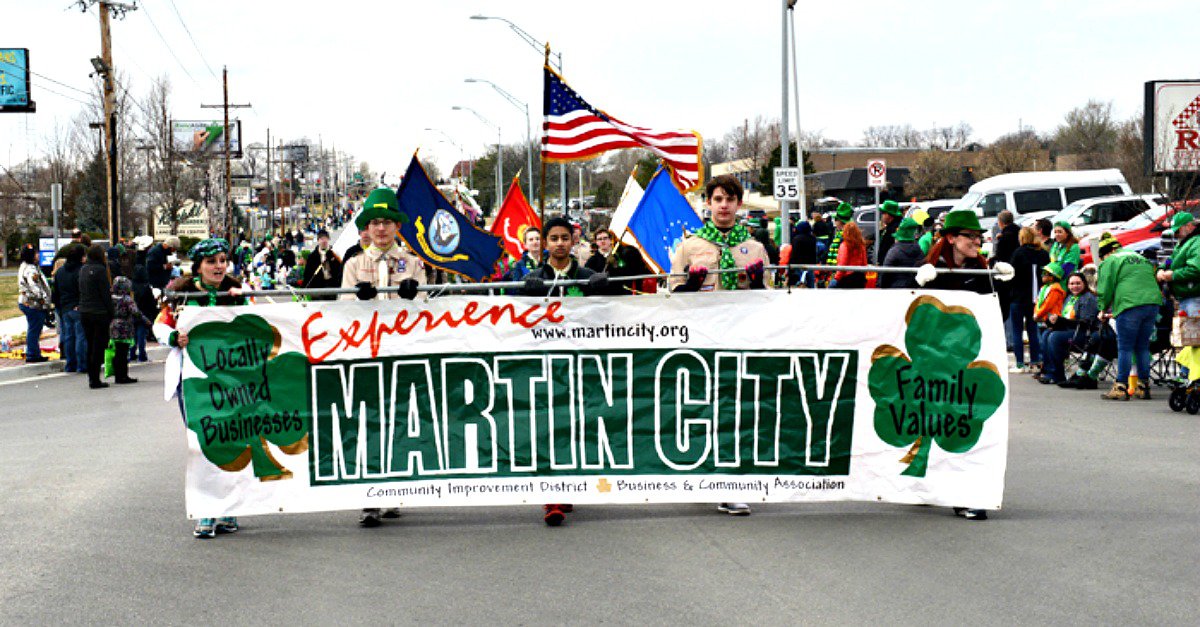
937,392
249,395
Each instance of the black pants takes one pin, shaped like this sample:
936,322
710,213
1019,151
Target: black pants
95,329
120,362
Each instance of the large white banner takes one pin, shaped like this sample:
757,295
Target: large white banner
761,396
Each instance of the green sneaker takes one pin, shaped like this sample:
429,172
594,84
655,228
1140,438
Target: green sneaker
205,529
227,524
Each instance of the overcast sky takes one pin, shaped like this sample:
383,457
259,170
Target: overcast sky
371,75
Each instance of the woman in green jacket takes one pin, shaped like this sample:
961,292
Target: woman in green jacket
1127,291
1065,250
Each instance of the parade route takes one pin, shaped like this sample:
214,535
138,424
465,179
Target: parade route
1098,526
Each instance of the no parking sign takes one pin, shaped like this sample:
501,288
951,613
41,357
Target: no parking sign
877,173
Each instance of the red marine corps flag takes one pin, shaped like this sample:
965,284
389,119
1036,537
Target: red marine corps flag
575,130
514,217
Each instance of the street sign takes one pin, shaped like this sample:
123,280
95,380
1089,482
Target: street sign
877,173
787,183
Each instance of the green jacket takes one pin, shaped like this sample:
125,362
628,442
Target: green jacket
926,242
1185,268
1126,280
1063,256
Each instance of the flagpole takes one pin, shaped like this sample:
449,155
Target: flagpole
542,180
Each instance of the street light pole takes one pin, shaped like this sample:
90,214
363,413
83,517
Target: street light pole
541,48
499,153
528,137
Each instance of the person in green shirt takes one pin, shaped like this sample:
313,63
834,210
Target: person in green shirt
1184,275
1128,292
1065,250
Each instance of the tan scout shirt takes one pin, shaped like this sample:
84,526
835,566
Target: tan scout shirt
365,267
695,251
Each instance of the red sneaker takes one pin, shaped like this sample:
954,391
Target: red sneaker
554,516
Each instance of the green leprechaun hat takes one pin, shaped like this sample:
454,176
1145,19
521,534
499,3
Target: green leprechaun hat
891,208
381,203
845,212
907,231
962,220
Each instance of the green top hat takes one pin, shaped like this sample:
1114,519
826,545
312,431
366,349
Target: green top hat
891,207
381,203
845,212
1053,269
1182,218
907,231
961,220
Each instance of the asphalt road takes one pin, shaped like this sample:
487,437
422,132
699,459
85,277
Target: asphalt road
1100,526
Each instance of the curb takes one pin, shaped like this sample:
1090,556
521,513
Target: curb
55,366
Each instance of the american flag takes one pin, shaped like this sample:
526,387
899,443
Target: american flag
575,130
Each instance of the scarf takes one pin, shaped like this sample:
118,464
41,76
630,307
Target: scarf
212,292
735,236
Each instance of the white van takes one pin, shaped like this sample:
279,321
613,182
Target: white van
1028,192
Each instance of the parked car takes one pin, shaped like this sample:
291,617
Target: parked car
934,208
1142,231
1092,216
1024,193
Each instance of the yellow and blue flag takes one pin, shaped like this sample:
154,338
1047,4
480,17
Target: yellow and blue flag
437,233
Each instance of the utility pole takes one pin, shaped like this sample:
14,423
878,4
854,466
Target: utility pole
228,221
103,65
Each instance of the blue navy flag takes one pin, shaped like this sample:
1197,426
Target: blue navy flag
662,219
437,233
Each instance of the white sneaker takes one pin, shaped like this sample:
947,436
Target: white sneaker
734,509
1018,370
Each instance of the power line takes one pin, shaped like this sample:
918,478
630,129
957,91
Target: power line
169,49
47,78
194,44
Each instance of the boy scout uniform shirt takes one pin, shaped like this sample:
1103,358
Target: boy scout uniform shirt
365,267
695,251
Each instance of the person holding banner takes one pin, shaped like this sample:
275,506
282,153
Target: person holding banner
383,263
958,247
210,261
723,243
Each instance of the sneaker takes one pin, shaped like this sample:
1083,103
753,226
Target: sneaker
734,509
390,513
1119,392
369,518
1073,383
228,524
970,514
1017,370
554,516
205,529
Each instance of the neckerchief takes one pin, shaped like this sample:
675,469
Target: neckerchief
212,292
724,241
1068,309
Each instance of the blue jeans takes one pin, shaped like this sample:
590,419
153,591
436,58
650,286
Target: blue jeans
1134,328
137,351
71,341
1020,320
1055,348
35,319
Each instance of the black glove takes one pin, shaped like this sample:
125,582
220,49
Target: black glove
754,274
597,283
366,291
534,286
695,279
407,289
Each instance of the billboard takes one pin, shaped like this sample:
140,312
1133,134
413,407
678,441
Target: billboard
1172,126
296,153
206,136
14,81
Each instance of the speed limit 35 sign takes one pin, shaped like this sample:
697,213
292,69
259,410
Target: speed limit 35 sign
787,183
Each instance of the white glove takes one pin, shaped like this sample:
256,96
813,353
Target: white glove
1004,271
925,274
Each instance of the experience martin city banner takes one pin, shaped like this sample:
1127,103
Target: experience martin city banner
763,396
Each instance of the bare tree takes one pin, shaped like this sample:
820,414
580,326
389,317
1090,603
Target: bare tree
935,174
1022,151
171,182
1089,133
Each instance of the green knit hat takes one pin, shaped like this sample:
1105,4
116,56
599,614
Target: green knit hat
381,203
845,212
1064,225
907,231
1054,269
962,220
891,207
208,248
1107,244
1182,218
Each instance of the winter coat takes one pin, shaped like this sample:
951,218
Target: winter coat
1027,263
1185,267
1007,243
1126,280
32,289
901,255
156,259
322,269
66,286
95,296
547,274
978,283
126,314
